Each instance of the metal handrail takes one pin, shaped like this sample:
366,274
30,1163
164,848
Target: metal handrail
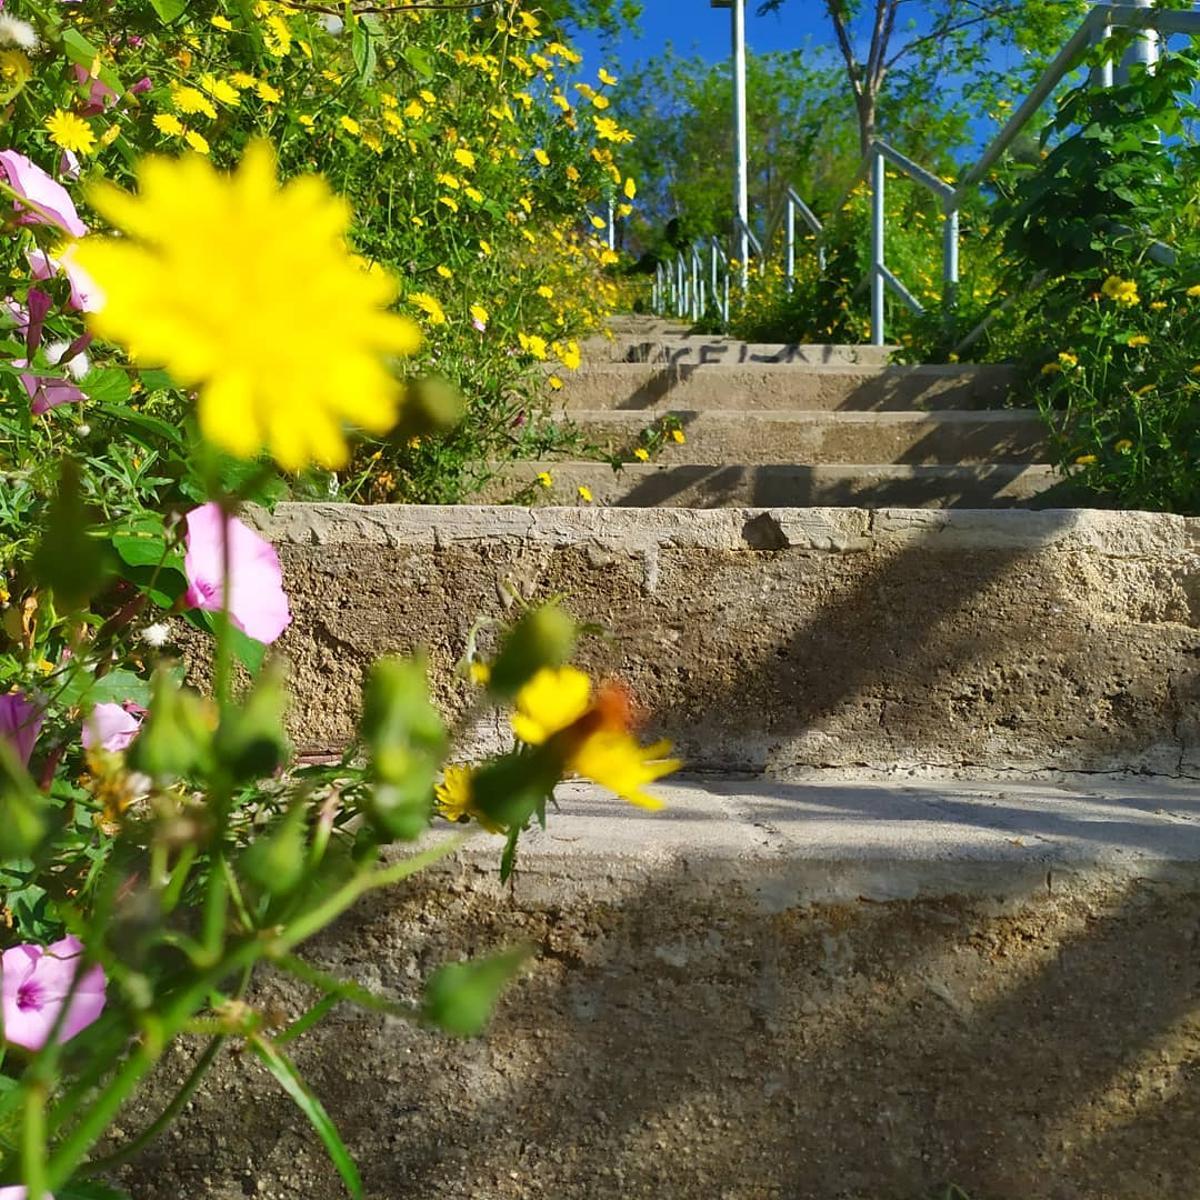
1097,26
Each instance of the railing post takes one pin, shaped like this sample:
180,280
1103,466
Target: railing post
612,226
741,240
877,246
950,259
791,245
1143,49
1102,76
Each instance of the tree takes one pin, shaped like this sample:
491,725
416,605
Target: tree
940,51
606,16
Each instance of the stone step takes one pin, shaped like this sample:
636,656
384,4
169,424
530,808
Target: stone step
874,989
700,348
772,639
806,438
826,387
689,485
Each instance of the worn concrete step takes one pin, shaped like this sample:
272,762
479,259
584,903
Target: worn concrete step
809,438
700,348
656,386
769,639
803,991
691,485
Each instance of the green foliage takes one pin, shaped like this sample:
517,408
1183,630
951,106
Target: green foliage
459,997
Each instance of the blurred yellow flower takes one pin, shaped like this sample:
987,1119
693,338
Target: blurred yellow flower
444,271
244,291
1138,339
642,454
464,158
1067,360
1085,460
449,202
541,156
545,479
605,77
272,95
1194,290
1123,446
221,22
1052,368
678,436
614,759
553,699
547,293
349,124
220,89
191,100
1121,291
455,799
585,493
630,188
479,313
240,79
556,384
196,141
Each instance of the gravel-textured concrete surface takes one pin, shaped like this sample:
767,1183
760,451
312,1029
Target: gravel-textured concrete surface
772,639
711,348
713,1011
781,436
668,483
828,386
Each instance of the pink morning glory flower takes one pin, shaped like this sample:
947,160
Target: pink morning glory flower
258,605
18,1192
34,983
112,727
86,296
20,723
54,206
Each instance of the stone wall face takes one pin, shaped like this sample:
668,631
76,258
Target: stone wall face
787,639
675,1038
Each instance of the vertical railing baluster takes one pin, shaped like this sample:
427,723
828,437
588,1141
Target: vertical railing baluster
791,244
878,176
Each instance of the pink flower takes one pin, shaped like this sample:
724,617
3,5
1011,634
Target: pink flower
100,95
20,723
85,295
68,165
18,1192
34,983
257,603
54,206
112,726
47,391
143,84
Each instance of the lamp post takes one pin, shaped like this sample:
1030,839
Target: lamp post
741,201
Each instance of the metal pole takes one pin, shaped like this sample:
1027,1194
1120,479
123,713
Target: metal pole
612,227
741,198
1102,76
791,245
950,258
877,247
1143,50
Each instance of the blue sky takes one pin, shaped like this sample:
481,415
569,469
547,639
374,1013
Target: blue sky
692,26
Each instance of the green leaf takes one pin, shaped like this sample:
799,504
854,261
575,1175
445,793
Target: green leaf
72,563
114,688
169,10
291,1081
418,59
109,385
362,47
459,997
90,1189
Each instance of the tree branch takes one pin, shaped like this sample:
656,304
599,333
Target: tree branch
836,15
946,30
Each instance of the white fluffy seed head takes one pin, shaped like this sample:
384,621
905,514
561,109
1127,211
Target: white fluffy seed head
156,635
16,33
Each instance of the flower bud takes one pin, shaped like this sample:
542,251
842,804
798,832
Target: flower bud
544,637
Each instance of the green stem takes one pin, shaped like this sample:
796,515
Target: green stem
33,1140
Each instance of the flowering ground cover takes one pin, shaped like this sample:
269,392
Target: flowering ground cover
256,248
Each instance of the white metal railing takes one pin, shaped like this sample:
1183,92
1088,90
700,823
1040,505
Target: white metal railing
1100,23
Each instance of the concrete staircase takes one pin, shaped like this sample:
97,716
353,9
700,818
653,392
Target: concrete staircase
923,911
790,426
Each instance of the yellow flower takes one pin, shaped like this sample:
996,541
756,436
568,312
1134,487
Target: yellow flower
464,158
555,383
642,454
1121,291
532,344
15,72
553,699
196,141
608,130
266,93
573,174
245,291
306,120
570,356
169,124
479,313
480,673
1194,290
277,37
486,248
599,222
541,156
1067,360
427,96
678,436
349,124
414,109
429,305
630,188
220,89
1052,368
455,799
240,79
1085,460
585,493
547,293
1138,339
1123,446
605,77
600,102
449,202
192,100
1157,305
220,22
615,760
474,194
70,131
545,479
444,271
